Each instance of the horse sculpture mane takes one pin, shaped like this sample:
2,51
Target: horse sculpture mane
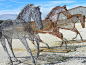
23,11
57,9
52,11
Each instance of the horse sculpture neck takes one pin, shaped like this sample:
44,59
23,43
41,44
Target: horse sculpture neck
25,14
81,18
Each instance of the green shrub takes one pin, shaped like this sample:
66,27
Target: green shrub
1,21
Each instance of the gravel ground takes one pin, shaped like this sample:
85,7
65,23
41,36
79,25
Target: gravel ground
77,55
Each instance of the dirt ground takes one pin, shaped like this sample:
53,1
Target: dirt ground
76,56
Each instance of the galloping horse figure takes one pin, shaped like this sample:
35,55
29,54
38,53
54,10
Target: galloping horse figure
16,30
52,29
68,23
54,17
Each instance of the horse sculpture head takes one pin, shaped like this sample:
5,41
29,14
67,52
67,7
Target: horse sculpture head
82,21
66,12
79,17
36,16
30,12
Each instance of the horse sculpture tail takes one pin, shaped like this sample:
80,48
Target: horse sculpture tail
4,24
83,25
0,32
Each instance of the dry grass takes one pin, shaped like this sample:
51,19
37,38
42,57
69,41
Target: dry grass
75,41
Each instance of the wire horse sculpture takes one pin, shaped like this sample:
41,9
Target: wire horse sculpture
16,30
68,23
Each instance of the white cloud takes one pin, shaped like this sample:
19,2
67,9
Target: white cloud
17,1
45,6
8,16
8,6
45,11
54,3
76,5
9,11
2,0
0,4
48,5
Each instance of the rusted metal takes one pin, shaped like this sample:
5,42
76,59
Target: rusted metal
68,23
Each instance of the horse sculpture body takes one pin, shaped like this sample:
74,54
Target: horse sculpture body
70,19
12,30
68,23
52,29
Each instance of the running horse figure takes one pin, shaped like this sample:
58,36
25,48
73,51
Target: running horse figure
16,30
68,23
52,29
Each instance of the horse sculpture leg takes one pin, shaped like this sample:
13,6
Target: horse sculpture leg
38,37
64,43
37,41
5,49
81,37
10,46
60,35
23,40
75,37
37,46
77,32
46,44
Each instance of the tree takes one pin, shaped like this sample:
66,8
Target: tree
1,21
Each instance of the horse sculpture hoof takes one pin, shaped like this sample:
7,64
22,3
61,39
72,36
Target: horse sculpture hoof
19,61
10,63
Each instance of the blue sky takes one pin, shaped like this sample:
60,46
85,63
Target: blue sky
15,6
